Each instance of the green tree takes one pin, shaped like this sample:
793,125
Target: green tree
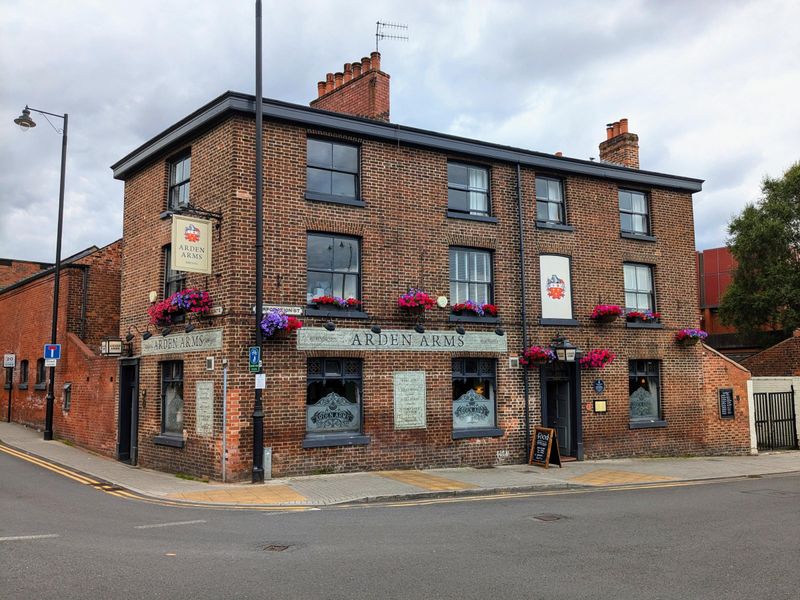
765,240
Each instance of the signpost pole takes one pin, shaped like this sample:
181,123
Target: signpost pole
10,385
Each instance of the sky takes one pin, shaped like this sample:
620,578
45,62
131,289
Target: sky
711,87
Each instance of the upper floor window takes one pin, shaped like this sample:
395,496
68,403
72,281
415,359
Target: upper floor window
180,171
470,276
634,214
468,189
334,266
174,281
332,169
550,200
639,293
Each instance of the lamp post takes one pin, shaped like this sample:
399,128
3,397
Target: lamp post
258,406
25,122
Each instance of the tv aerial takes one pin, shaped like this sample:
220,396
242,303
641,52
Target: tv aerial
398,32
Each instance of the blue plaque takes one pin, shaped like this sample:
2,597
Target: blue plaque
599,386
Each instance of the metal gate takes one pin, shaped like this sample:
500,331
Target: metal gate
776,427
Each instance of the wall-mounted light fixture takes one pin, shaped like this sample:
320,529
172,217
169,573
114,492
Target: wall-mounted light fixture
565,351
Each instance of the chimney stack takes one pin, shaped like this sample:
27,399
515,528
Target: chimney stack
360,89
620,146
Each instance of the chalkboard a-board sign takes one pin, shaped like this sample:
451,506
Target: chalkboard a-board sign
726,403
544,450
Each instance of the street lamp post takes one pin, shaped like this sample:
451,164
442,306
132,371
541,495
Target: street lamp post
25,122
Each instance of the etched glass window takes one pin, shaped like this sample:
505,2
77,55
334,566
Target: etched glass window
550,200
332,168
334,267
172,397
180,171
474,393
470,276
333,396
633,212
644,388
638,287
468,189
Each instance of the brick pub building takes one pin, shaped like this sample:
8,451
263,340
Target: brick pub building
356,206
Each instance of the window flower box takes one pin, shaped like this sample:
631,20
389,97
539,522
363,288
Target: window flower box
277,324
537,355
415,302
605,313
690,336
597,358
470,308
336,302
635,316
188,301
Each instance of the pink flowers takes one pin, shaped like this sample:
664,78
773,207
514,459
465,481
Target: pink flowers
537,355
185,301
606,312
336,301
415,300
690,336
480,310
597,358
643,317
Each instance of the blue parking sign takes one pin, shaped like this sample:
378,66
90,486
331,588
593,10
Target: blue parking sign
254,358
52,351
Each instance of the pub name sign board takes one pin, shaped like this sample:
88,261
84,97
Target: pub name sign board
191,245
318,338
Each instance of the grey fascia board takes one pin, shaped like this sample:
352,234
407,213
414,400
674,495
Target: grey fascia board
397,134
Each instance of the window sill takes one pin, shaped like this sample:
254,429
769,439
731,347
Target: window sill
560,322
462,434
22,386
474,319
40,386
315,197
635,325
655,424
330,441
6,386
554,226
335,313
637,236
169,440
451,214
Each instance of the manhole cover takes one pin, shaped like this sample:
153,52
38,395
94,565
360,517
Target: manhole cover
548,518
276,547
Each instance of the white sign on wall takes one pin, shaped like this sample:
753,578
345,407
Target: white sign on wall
204,408
9,360
409,400
556,286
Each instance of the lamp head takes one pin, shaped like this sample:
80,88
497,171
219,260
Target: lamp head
24,120
419,328
166,331
375,329
189,328
330,326
460,330
129,337
147,335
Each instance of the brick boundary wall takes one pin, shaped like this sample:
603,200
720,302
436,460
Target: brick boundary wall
724,436
780,360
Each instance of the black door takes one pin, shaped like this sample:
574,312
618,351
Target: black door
128,411
559,413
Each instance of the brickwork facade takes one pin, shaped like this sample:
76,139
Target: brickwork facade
405,231
12,271
780,360
88,417
725,435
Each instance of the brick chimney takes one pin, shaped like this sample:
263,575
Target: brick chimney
360,89
620,146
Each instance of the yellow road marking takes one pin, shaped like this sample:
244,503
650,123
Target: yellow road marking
50,467
426,481
611,477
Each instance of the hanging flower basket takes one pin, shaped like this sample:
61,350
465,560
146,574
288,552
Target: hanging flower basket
597,358
606,313
277,324
336,302
188,301
690,336
415,302
537,355
647,316
474,309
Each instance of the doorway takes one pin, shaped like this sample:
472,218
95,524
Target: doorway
561,406
128,431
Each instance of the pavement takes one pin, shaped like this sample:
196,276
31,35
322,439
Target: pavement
385,486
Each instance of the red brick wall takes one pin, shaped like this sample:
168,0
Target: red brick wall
780,360
12,271
724,436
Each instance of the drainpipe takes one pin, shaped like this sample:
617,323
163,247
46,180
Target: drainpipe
523,310
224,418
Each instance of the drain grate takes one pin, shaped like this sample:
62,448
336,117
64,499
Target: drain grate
548,518
276,547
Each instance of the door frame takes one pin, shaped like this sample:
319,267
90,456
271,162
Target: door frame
576,417
134,410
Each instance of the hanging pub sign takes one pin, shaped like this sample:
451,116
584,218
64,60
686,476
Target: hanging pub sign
556,286
191,245
543,450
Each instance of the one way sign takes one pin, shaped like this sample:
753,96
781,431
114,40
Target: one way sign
52,351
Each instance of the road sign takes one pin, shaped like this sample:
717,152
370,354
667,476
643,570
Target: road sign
52,351
254,358
10,360
50,362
